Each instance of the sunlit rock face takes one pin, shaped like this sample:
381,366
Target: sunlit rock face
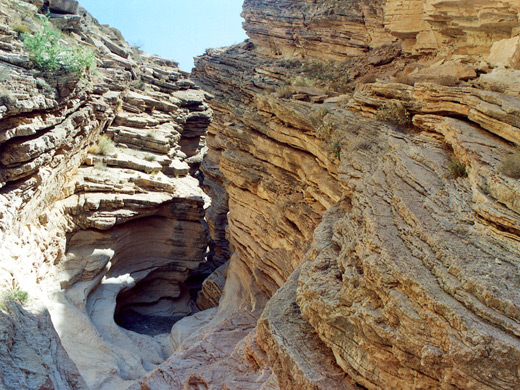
372,205
360,204
102,220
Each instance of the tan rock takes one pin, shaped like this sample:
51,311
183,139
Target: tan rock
298,358
505,52
212,288
137,195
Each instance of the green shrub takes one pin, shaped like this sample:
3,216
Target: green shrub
457,168
321,70
301,81
328,74
285,92
105,146
150,157
335,150
50,52
317,116
14,295
395,113
326,128
138,84
511,166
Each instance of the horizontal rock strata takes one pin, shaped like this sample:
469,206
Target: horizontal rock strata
101,217
363,169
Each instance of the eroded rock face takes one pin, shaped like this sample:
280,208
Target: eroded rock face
100,215
381,179
367,207
32,356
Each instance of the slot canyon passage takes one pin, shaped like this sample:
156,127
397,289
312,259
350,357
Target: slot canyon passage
332,204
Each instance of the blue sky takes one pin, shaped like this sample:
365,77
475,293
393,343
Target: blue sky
175,29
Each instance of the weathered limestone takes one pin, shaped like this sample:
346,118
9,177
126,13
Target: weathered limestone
212,288
64,6
408,281
296,355
361,205
31,353
107,228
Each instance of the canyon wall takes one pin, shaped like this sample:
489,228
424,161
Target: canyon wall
102,218
363,152
349,173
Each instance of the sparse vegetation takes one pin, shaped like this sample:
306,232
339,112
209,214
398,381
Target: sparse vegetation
321,70
150,157
395,113
15,294
105,146
457,168
335,150
511,166
326,128
285,92
50,51
301,81
100,165
331,75
317,116
138,84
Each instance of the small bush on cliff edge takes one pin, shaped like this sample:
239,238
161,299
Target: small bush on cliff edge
395,113
457,168
14,295
105,146
50,51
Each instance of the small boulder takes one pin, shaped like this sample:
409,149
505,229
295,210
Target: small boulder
64,6
505,53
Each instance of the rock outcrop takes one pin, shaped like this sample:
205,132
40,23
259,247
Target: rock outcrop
102,220
31,354
360,208
365,154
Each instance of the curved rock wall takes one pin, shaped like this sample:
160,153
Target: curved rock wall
100,226
363,171
372,219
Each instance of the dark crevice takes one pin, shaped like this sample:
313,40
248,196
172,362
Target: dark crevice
158,301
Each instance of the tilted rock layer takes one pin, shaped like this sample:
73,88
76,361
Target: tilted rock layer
365,152
363,172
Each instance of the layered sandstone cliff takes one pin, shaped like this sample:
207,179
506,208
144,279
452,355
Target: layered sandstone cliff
360,202
364,152
101,219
